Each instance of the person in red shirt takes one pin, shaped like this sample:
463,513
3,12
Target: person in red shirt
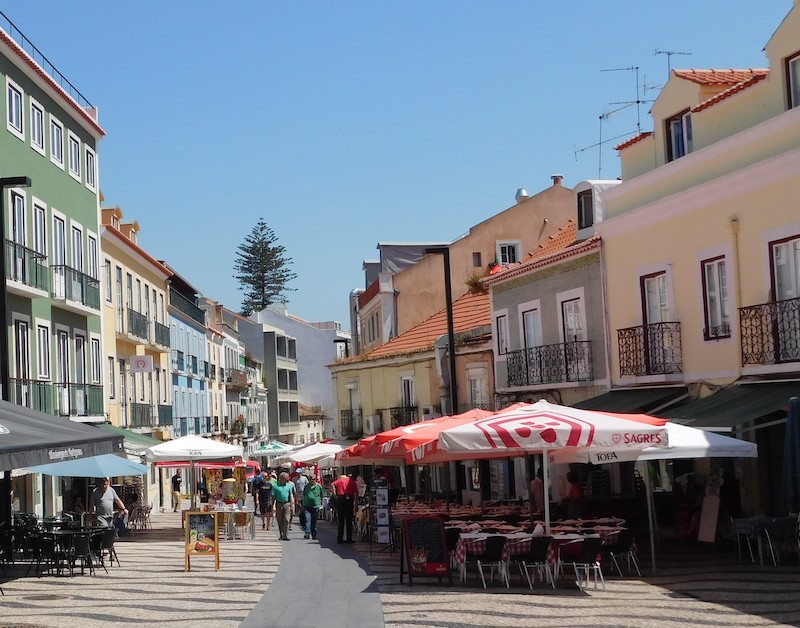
346,491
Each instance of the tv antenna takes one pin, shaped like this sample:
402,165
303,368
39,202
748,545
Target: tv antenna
669,54
603,116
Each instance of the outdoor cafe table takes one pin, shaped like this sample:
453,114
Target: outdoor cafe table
475,543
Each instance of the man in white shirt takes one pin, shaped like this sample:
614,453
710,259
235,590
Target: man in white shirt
300,482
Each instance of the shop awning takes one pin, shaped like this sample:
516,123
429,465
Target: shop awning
735,405
634,400
132,441
29,438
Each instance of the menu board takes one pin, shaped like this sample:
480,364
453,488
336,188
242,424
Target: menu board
202,537
424,551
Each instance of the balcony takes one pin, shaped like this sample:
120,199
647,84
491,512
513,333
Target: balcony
140,415
137,324
164,416
212,372
75,291
161,335
236,379
78,399
33,394
653,349
178,362
186,306
26,271
551,364
193,365
770,332
351,424
404,415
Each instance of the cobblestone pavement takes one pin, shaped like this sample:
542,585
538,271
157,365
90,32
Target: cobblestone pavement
150,587
693,587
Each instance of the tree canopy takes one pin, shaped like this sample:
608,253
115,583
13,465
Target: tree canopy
262,269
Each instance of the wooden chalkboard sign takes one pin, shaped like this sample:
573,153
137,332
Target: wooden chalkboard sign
424,549
202,537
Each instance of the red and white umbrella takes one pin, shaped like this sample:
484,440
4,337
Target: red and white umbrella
542,427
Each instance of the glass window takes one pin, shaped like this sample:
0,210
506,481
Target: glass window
111,378
96,360
91,169
715,298
679,136
786,274
14,109
37,126
507,253
107,278
585,209
793,71
40,229
43,341
532,328
502,334
56,142
74,156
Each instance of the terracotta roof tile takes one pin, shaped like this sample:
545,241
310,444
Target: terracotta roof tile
470,311
735,89
633,140
718,77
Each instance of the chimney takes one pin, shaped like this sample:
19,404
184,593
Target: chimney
557,179
521,195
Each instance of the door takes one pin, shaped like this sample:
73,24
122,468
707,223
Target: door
22,364
62,374
78,283
59,258
532,337
786,282
18,234
576,356
80,394
658,345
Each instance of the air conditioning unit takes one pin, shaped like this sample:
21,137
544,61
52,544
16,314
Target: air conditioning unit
429,412
370,424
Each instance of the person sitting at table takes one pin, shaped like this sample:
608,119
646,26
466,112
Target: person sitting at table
77,505
574,500
101,503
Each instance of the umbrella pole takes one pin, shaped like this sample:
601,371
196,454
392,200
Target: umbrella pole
648,489
194,485
546,480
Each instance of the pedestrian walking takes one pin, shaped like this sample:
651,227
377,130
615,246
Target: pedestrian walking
283,502
262,495
346,492
312,502
177,480
300,482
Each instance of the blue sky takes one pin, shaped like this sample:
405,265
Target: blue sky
345,124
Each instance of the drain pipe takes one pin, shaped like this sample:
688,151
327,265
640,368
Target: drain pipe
734,225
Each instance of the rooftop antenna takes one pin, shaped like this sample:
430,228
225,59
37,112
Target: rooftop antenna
669,54
604,116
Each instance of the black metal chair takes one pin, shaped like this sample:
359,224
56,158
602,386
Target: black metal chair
107,547
81,550
536,558
451,537
622,548
586,562
492,557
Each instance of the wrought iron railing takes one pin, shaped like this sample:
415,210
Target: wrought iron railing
137,324
164,415
717,332
770,332
404,415
351,424
78,399
236,378
140,415
26,266
161,334
185,305
70,284
34,394
550,364
652,349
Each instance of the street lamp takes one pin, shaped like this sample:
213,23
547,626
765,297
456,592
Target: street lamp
6,182
5,378
451,336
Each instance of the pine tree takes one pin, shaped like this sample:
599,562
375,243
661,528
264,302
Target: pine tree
262,269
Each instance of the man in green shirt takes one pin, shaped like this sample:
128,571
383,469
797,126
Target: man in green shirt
312,502
283,501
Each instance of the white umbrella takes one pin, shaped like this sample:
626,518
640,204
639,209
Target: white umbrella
192,449
312,453
684,442
543,427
